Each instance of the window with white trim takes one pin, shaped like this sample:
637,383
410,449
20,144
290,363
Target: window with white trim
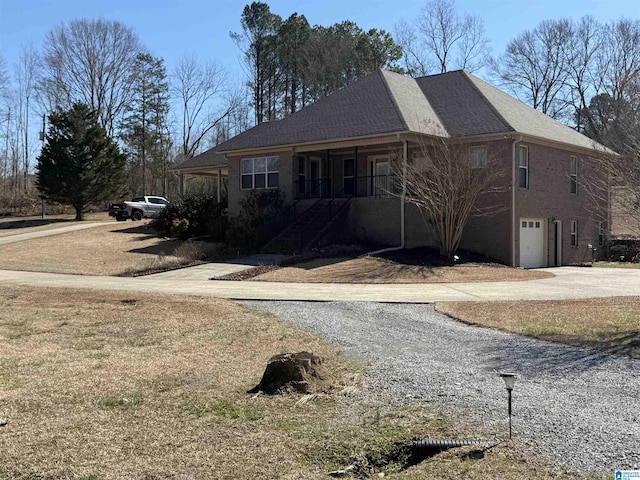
573,174
522,159
601,233
478,156
260,172
574,234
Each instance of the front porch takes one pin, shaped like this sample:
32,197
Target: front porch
344,174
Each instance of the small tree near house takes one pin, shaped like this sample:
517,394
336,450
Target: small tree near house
79,164
450,182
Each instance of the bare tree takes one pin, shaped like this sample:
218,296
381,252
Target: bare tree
440,39
89,61
581,54
4,83
205,100
534,67
26,75
620,60
450,184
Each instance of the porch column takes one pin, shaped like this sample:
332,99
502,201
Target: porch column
355,161
219,184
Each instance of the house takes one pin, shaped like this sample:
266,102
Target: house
340,147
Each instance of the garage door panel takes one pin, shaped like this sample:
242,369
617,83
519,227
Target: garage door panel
532,243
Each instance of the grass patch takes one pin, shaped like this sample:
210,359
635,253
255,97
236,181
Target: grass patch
220,411
611,325
186,254
175,405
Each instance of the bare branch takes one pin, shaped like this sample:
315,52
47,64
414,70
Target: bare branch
449,185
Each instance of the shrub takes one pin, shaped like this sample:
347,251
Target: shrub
264,214
625,251
193,216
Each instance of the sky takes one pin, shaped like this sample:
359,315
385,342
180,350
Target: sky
172,28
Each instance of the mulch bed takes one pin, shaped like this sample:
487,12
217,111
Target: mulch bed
430,257
248,273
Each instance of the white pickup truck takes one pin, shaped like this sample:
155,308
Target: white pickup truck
138,208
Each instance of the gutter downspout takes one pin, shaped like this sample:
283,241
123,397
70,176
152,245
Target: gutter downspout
514,181
405,156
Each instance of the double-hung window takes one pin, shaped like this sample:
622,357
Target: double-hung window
573,174
574,234
260,172
478,157
522,159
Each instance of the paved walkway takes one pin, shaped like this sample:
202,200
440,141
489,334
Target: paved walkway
19,237
569,283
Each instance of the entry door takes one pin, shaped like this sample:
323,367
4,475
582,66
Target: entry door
349,176
380,171
532,253
558,231
314,176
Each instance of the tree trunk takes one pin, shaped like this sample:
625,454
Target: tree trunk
79,215
299,371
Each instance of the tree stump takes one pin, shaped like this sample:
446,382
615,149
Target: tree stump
298,371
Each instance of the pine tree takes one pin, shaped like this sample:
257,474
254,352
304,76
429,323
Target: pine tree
144,125
79,164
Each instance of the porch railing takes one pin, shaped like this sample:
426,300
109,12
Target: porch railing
371,186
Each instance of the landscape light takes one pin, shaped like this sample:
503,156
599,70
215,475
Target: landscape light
509,381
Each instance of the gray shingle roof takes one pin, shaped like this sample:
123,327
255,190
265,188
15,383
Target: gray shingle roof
453,104
362,109
526,120
210,158
461,109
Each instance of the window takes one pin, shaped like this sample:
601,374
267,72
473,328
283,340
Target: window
261,172
522,157
478,157
573,174
601,234
574,234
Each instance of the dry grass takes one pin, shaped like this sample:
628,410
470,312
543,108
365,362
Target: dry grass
18,225
376,270
104,250
104,385
186,254
608,324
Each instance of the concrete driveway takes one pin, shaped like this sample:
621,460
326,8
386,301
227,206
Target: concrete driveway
569,283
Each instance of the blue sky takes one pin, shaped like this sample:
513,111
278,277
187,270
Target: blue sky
172,28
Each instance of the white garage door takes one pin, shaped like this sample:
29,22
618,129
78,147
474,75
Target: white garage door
532,243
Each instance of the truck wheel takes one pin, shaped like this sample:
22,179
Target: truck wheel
136,215
120,218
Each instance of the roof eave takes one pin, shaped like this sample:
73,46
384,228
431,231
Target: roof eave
319,144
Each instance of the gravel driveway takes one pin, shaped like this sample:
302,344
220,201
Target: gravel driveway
580,407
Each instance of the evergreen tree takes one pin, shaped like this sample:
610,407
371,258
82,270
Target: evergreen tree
79,164
144,125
